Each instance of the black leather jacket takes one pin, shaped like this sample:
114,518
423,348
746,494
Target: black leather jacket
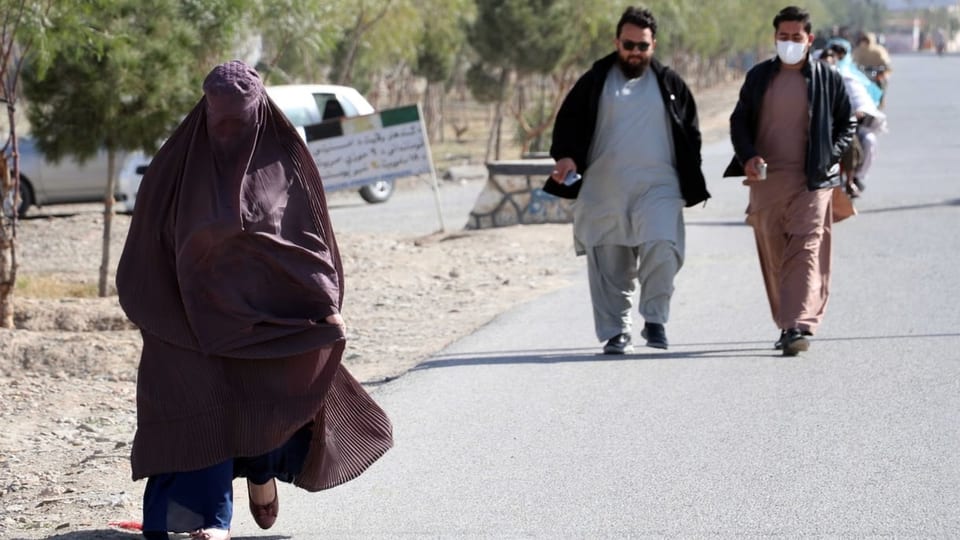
577,121
832,123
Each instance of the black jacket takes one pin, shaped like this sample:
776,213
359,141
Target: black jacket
832,124
577,120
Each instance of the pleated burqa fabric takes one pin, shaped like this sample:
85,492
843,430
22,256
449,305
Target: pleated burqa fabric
229,270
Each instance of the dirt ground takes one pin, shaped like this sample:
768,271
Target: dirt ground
68,373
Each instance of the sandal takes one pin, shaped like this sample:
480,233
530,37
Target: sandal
210,534
265,515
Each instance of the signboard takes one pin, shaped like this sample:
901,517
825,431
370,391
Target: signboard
365,149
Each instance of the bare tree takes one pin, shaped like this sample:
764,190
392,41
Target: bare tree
21,26
363,23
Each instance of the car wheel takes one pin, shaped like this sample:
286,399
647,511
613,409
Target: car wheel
26,200
377,192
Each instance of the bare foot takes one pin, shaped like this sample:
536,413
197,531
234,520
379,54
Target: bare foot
210,534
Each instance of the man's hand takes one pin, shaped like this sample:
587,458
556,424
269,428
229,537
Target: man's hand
561,169
751,170
336,319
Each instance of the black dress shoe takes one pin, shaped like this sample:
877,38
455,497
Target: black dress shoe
778,344
859,183
655,335
794,342
618,344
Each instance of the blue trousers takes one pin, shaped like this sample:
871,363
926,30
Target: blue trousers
203,499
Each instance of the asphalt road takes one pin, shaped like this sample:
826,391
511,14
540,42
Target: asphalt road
414,209
522,430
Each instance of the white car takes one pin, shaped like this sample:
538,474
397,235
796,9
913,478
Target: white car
303,105
68,181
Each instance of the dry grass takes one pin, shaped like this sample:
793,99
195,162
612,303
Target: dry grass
40,286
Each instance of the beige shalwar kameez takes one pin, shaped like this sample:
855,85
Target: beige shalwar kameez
791,224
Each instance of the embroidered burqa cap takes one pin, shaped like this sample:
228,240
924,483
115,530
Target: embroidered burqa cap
229,269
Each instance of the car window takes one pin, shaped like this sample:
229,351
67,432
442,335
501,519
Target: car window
333,107
301,115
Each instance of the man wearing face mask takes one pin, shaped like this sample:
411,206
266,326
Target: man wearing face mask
629,127
790,127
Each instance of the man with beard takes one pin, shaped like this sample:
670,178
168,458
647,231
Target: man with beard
629,127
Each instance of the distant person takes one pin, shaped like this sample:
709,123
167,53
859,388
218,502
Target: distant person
629,127
864,100
332,109
789,128
232,273
940,41
847,67
842,32
820,40
873,59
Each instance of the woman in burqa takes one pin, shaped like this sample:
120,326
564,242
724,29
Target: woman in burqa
232,273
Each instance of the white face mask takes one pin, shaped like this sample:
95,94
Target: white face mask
791,52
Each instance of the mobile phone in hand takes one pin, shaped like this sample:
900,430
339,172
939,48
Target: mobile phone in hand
571,178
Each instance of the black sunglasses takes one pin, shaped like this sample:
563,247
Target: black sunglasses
628,45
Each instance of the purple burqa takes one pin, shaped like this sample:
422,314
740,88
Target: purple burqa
229,269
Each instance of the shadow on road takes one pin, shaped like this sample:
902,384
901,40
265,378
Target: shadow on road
952,202
743,223
740,223
49,215
113,534
743,349
592,355
99,534
345,204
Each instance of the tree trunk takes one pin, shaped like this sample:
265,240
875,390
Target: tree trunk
435,103
107,222
491,135
346,68
431,111
442,105
504,77
8,251
538,140
9,185
355,35
497,128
